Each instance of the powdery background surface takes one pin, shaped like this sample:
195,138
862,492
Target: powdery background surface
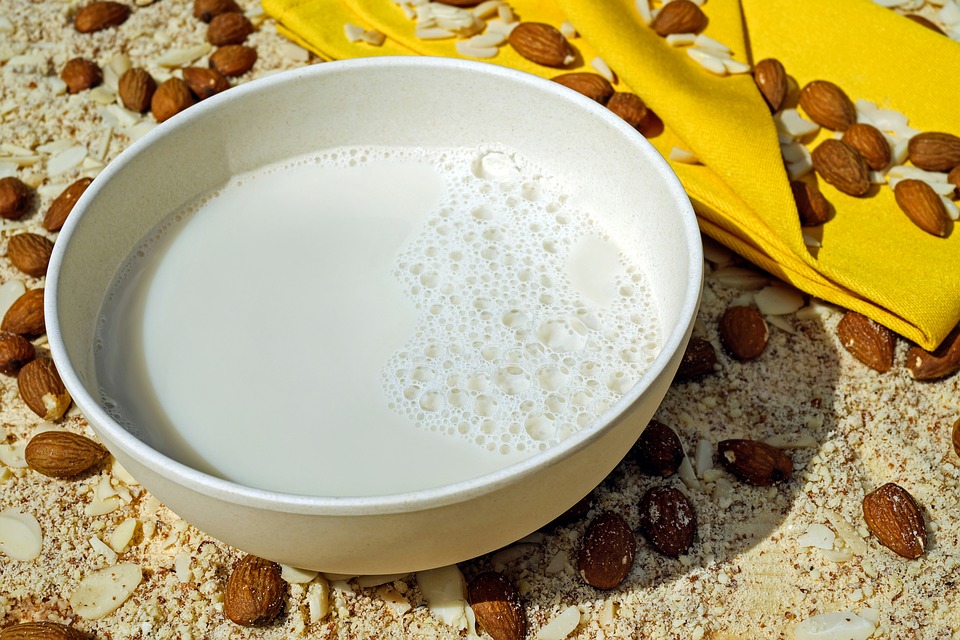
745,577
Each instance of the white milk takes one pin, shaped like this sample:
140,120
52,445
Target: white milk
371,321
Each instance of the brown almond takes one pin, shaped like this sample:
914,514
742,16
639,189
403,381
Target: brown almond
42,389
41,631
934,151
923,206
496,604
630,107
679,16
100,15
607,551
136,89
30,252
229,28
924,22
81,74
743,332
572,514
15,198
827,105
658,451
15,351
699,359
894,517
941,362
842,166
956,437
812,205
954,178
867,341
205,82
541,43
170,98
871,144
755,462
233,60
207,10
771,79
667,520
62,454
592,85
25,315
57,213
255,592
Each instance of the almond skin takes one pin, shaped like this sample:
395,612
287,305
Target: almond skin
828,105
229,28
934,151
629,107
170,98
15,198
30,253
867,341
743,332
541,43
136,89
841,166
592,85
870,143
62,454
81,74
205,82
42,390
496,603
658,451
25,315
41,631
941,362
771,79
923,206
667,520
100,15
956,437
755,462
699,359
894,517
57,214
255,592
812,205
679,16
207,10
233,60
15,351
607,551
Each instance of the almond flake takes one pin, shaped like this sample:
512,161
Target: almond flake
834,626
791,122
11,455
100,547
353,33
643,8
182,57
10,291
561,626
433,33
445,591
66,160
318,599
296,576
102,592
681,39
778,300
709,44
123,534
682,155
20,535
817,535
601,67
707,60
487,9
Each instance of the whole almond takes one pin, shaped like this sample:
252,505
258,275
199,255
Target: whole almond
15,351
827,105
679,16
206,10
592,85
41,631
25,315
867,341
923,206
136,89
15,198
871,144
233,60
842,166
170,98
658,451
42,390
941,362
541,43
755,462
572,514
895,518
62,454
956,437
924,22
630,107
57,213
607,551
30,252
699,359
743,332
229,28
204,82
771,79
667,520
496,604
255,592
80,74
100,15
934,151
812,205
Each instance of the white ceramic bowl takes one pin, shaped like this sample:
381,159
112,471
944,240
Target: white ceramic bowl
381,101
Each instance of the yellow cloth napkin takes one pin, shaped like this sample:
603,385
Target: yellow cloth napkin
872,258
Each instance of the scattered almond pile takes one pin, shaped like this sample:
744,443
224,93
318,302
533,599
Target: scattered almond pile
801,479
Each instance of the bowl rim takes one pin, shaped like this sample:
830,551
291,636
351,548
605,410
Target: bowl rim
422,499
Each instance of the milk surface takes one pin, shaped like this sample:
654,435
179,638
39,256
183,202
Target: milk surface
371,321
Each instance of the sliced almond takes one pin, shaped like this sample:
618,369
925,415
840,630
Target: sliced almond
541,43
894,517
869,342
255,592
496,604
101,592
607,551
871,144
62,454
20,535
941,362
923,206
57,214
827,105
755,462
743,332
842,166
679,16
42,390
25,316
771,79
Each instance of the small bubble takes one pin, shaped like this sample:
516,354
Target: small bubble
432,401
